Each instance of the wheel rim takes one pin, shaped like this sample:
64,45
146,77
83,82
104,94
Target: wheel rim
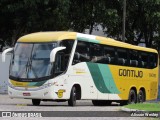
74,95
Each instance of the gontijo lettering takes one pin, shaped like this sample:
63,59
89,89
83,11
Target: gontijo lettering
130,73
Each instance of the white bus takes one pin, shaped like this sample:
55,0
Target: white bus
69,66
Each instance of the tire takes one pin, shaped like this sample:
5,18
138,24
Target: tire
132,97
36,102
72,100
141,96
101,102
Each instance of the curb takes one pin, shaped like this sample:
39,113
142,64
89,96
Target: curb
131,110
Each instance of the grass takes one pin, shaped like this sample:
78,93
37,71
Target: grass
145,106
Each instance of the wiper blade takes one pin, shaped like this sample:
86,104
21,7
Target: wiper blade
30,68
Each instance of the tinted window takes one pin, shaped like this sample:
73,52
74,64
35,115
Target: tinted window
143,59
152,60
64,55
97,54
133,58
109,52
122,56
82,52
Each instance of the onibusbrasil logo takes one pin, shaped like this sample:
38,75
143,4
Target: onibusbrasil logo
21,114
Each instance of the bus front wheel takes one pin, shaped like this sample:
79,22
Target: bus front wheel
36,102
132,97
72,100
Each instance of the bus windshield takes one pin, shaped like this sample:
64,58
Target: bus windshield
32,60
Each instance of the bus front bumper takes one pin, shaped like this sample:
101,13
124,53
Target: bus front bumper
46,93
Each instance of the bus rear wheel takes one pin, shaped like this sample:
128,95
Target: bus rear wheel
141,96
101,102
36,102
132,97
72,100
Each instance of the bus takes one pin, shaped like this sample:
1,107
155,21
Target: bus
70,66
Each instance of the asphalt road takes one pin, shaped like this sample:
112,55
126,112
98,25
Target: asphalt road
61,111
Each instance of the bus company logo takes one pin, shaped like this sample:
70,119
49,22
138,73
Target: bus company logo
6,114
130,73
21,114
60,93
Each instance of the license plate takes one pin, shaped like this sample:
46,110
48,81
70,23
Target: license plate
26,94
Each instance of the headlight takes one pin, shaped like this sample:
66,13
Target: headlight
46,85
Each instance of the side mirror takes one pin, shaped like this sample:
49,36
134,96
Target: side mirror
53,53
4,54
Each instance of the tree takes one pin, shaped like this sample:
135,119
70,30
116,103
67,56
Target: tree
85,14
142,21
20,17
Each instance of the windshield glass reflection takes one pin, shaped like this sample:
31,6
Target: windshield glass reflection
31,60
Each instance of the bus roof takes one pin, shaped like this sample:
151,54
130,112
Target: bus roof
57,36
47,36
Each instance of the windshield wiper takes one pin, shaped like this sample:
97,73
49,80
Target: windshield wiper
30,68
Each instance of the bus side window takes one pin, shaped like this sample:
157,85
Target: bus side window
68,44
81,53
152,60
143,60
122,56
134,58
109,53
59,64
96,51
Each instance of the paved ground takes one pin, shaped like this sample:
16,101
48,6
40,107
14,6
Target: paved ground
81,111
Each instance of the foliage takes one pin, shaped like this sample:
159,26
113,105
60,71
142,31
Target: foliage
145,106
142,21
20,17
